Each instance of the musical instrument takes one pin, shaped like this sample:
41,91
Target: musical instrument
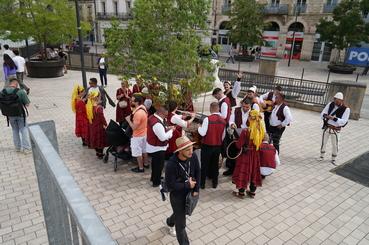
193,134
269,104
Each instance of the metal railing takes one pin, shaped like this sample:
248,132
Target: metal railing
295,89
277,9
69,217
328,8
109,16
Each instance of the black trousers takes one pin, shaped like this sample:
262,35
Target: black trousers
276,134
103,76
157,165
209,163
178,218
266,121
231,163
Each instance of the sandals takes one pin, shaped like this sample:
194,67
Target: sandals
250,194
238,194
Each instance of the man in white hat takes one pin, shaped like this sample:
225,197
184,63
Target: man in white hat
335,116
182,176
251,94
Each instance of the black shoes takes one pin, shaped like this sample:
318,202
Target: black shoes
229,172
137,170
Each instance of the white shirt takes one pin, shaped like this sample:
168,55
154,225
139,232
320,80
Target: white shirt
203,129
92,89
159,131
265,97
102,63
9,52
245,116
236,89
20,62
256,107
177,120
268,171
340,121
274,119
223,108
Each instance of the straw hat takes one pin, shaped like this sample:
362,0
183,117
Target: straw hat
182,143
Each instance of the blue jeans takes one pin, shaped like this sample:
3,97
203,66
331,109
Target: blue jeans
20,133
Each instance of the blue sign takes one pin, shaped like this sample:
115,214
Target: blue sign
358,56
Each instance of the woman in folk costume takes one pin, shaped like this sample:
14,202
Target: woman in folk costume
247,175
97,124
79,108
123,95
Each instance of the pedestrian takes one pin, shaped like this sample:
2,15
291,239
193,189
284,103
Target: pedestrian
123,96
103,94
97,124
158,135
8,51
103,70
231,53
335,116
182,176
247,175
280,118
79,108
212,131
13,104
63,56
232,91
9,68
20,62
138,122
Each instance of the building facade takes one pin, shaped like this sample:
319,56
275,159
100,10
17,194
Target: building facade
283,27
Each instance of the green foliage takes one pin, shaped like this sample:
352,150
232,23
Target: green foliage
246,22
161,41
347,26
46,21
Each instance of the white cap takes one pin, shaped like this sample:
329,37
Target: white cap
253,89
145,90
339,96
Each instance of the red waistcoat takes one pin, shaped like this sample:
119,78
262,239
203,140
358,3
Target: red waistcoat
176,134
231,99
152,139
215,131
238,117
227,101
267,155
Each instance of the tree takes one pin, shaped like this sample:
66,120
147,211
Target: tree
246,23
347,26
162,41
46,21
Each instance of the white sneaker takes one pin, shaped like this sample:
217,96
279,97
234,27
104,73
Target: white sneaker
172,231
27,151
334,162
321,159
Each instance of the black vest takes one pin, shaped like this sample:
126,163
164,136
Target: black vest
339,112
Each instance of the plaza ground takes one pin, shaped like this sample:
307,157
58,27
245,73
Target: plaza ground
302,203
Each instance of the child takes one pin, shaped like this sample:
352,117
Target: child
79,108
97,124
269,158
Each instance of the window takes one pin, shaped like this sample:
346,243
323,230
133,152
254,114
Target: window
116,8
301,2
128,5
332,2
103,7
275,3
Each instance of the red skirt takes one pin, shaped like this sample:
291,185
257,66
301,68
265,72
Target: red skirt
97,138
81,129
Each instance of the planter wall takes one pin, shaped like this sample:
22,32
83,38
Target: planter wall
45,69
244,58
341,69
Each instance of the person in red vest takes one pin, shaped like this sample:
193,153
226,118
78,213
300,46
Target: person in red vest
280,118
123,96
213,131
238,120
157,142
224,104
267,104
179,122
232,91
269,159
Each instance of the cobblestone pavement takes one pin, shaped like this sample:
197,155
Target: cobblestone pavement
302,203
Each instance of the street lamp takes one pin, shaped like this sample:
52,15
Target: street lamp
297,12
84,80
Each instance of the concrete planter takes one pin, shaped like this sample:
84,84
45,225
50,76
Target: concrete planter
244,58
45,69
341,68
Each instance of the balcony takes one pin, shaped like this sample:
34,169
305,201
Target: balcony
226,9
301,8
279,9
110,16
328,8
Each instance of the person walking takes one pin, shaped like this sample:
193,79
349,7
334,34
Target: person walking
20,62
9,68
8,51
231,53
182,176
138,122
335,116
13,105
157,142
104,96
103,70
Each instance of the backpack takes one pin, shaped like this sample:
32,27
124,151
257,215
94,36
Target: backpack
10,104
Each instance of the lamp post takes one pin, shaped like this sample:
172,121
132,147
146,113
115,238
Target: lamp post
84,80
297,12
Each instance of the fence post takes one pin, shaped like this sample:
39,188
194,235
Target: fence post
357,77
329,74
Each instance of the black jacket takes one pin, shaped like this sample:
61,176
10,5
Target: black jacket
175,176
